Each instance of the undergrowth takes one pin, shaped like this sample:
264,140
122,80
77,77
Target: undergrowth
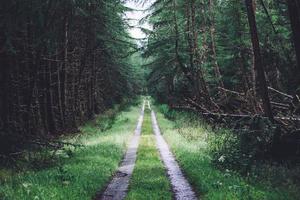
224,165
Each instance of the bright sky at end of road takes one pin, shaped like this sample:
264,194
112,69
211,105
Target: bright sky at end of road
135,16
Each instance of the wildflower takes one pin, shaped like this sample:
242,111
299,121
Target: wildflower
222,158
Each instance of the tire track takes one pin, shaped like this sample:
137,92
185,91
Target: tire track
181,187
117,188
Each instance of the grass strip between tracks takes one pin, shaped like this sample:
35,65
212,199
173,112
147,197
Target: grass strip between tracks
149,179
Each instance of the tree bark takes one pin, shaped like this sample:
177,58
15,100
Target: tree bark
294,13
49,94
177,56
201,57
213,46
4,80
258,66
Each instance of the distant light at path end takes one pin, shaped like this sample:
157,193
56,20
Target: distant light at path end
135,17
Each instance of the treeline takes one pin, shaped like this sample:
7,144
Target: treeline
231,61
205,53
62,62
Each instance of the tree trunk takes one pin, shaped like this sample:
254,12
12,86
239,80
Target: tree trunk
59,91
50,113
213,46
201,56
258,67
4,86
294,13
177,56
64,74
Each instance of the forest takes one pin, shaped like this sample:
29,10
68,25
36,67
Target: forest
233,62
62,62
221,76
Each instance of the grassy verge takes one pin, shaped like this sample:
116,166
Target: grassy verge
149,179
188,142
77,174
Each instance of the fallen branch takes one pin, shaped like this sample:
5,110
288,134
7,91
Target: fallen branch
196,105
280,104
231,91
234,115
55,144
281,93
250,116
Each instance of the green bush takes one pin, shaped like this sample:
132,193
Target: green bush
166,111
224,148
241,149
105,122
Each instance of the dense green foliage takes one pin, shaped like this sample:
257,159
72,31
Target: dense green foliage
243,150
192,39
